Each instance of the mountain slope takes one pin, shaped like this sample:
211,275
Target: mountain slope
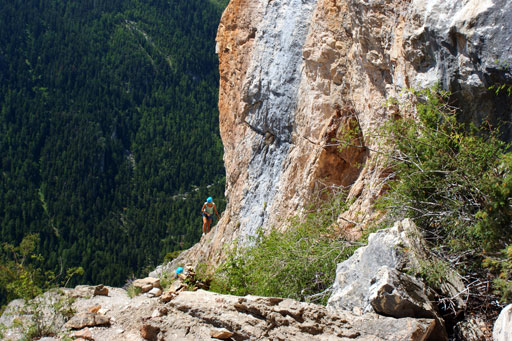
108,117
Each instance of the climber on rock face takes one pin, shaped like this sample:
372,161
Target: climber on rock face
207,211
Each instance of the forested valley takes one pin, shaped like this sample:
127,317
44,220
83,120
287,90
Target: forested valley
109,138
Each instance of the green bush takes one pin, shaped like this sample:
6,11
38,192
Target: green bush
455,181
166,279
22,274
299,263
170,256
501,265
133,291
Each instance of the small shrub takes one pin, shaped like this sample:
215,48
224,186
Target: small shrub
166,278
503,88
434,271
133,291
170,256
204,273
501,264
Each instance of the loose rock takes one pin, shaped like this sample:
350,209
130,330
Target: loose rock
84,334
83,320
146,284
397,294
155,292
94,309
167,296
221,333
100,290
149,332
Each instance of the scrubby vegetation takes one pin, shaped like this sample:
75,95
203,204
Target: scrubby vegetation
133,291
455,181
299,263
21,276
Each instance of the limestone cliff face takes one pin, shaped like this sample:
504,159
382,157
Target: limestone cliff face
294,74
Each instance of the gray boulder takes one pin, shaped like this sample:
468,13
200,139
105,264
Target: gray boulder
87,319
373,279
353,276
394,293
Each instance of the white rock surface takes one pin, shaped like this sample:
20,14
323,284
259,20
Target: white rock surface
155,292
269,102
503,326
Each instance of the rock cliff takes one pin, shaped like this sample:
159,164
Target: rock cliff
295,74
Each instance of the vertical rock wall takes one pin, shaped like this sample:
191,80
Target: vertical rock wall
296,74
269,102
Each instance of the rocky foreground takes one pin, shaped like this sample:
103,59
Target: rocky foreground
203,315
373,298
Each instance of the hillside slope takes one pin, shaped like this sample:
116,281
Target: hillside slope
108,130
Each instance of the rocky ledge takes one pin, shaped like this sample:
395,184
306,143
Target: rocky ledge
203,315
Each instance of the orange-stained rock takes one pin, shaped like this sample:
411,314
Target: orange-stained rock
149,332
101,290
83,334
146,284
220,333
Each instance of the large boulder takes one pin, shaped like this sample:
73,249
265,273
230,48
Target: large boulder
373,279
394,293
503,326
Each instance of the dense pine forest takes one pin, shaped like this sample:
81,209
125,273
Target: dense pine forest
109,140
